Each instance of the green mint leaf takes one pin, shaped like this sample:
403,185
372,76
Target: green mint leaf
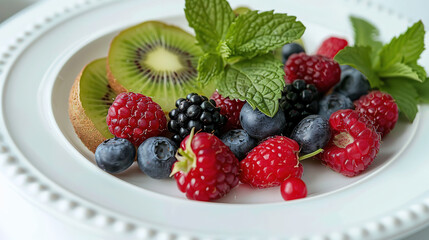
210,20
366,34
254,33
259,81
406,48
210,66
421,72
422,90
399,70
405,96
359,58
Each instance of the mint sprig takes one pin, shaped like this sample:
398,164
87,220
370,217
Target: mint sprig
392,67
236,50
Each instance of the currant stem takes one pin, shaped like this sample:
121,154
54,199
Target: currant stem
311,154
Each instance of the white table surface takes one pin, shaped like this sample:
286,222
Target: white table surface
22,220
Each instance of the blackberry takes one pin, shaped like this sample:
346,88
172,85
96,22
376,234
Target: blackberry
298,101
195,111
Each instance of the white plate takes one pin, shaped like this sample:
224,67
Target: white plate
46,48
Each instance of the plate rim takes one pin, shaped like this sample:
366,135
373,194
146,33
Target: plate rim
18,172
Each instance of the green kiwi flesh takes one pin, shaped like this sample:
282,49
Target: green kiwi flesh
157,60
96,94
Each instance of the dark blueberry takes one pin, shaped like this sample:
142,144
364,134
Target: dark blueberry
190,95
179,101
184,132
193,111
183,106
206,118
299,85
332,103
173,114
176,138
240,142
196,99
353,83
306,95
311,133
195,124
156,156
258,125
182,118
173,125
209,128
208,106
290,49
115,155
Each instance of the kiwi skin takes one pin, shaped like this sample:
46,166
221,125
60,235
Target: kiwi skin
83,126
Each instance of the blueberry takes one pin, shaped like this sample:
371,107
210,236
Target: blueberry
290,49
311,133
156,156
353,83
115,155
332,103
258,125
240,142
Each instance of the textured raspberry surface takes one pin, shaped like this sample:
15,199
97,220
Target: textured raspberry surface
271,162
331,46
230,108
380,108
135,117
353,145
321,71
216,170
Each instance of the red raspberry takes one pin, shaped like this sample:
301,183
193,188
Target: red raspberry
331,46
353,145
207,169
293,188
321,71
271,162
135,117
230,108
380,108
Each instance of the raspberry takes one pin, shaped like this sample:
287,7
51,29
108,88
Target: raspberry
331,46
353,145
293,188
321,71
271,162
380,108
135,117
207,169
230,108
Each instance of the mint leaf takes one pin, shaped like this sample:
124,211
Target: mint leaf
210,66
400,70
405,96
406,48
210,20
359,58
421,72
254,33
259,81
423,90
366,34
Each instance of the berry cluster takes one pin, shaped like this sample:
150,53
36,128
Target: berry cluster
195,112
253,148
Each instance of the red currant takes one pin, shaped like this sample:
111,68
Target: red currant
293,188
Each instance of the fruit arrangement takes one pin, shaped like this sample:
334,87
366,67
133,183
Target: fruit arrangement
222,109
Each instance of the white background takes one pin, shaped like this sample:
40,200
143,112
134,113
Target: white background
21,220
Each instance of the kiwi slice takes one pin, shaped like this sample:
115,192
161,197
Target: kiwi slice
90,99
157,60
